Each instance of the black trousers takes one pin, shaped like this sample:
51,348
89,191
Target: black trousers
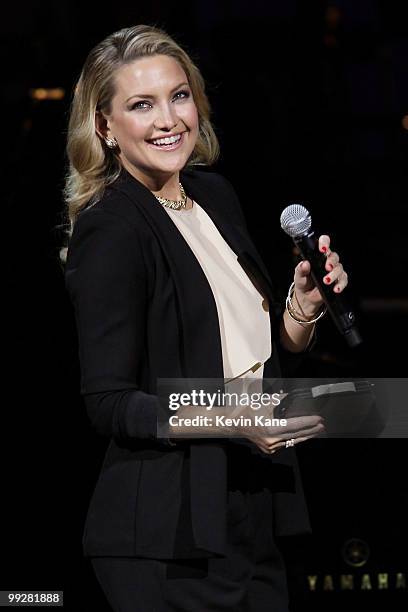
251,578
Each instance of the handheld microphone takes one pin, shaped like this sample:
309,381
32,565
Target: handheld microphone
297,223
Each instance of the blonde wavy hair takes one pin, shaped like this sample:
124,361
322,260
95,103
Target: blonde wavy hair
92,165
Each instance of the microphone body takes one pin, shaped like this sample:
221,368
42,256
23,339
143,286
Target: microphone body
304,238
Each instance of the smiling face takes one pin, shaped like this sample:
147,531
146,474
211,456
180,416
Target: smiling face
153,118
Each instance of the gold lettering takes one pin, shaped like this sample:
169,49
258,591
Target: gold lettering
312,582
366,583
383,581
346,582
328,583
400,582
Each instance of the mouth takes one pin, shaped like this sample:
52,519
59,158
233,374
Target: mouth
168,143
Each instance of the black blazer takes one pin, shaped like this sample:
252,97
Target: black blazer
144,310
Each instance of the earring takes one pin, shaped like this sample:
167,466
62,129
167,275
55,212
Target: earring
111,142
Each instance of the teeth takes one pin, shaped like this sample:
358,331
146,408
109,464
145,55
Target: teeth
166,141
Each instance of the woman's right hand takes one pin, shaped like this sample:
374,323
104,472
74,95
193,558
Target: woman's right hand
269,438
297,429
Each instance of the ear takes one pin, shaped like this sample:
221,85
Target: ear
102,125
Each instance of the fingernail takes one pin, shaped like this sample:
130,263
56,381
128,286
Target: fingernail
324,249
338,289
327,279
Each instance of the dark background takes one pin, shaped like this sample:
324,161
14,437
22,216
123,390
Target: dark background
309,100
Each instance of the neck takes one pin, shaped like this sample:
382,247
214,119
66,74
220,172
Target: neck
169,189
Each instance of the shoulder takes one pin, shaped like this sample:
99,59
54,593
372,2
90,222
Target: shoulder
218,187
112,205
115,213
205,178
102,232
101,219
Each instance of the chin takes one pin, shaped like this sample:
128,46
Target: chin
171,168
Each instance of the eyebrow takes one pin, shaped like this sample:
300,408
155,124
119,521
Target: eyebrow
151,97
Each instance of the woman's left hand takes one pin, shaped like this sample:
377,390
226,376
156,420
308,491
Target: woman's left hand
307,294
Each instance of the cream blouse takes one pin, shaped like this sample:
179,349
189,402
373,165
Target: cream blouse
243,321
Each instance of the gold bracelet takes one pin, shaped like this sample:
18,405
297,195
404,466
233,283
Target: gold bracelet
292,312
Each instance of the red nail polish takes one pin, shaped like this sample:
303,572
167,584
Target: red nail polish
324,249
327,279
338,289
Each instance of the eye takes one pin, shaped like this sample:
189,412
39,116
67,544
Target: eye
140,105
180,95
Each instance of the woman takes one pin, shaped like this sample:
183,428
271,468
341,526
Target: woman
166,283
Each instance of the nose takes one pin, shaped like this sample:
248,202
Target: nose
166,118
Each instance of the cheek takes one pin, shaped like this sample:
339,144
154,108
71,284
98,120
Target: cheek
189,115
136,127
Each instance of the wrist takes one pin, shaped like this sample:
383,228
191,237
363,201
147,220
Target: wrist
305,307
303,313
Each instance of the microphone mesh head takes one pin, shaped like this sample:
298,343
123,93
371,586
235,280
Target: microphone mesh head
295,220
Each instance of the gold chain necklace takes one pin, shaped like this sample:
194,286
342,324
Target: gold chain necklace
175,204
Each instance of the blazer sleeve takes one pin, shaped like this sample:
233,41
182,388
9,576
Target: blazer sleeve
105,277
